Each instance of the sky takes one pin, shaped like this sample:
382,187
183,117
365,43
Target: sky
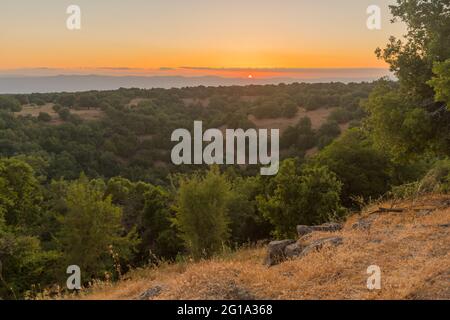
231,38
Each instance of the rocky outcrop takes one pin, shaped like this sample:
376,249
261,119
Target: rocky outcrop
304,230
279,251
326,227
293,250
276,252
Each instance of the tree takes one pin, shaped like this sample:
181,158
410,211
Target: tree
246,222
426,42
415,124
327,133
441,82
158,233
202,214
21,195
289,109
64,114
340,115
10,104
398,125
302,136
294,198
44,117
363,170
24,263
21,223
91,234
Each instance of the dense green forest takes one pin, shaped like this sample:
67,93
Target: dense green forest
102,193
130,139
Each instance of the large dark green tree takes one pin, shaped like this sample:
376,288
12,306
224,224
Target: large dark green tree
406,120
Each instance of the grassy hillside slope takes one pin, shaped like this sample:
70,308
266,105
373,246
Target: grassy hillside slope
412,248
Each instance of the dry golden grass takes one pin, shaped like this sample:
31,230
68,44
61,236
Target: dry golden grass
411,248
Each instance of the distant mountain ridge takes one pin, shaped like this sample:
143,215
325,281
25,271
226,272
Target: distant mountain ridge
74,83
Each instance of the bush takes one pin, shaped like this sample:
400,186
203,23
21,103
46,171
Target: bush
64,114
57,107
302,136
44,117
202,214
91,234
247,222
340,115
10,104
289,109
310,197
330,129
363,170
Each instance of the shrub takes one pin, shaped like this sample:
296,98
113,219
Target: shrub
10,104
310,197
363,170
289,110
91,235
202,214
57,107
340,115
64,114
44,117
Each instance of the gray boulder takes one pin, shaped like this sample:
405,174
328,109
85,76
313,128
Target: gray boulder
303,230
276,253
326,227
150,293
293,250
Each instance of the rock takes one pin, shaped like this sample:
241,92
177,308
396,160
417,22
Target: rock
447,225
293,250
303,230
230,290
275,252
150,293
305,238
318,244
328,227
235,292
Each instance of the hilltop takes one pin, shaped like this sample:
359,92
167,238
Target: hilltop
411,245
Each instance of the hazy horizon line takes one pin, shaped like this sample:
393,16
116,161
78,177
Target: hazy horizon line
193,71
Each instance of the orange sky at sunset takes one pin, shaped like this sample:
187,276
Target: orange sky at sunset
223,38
